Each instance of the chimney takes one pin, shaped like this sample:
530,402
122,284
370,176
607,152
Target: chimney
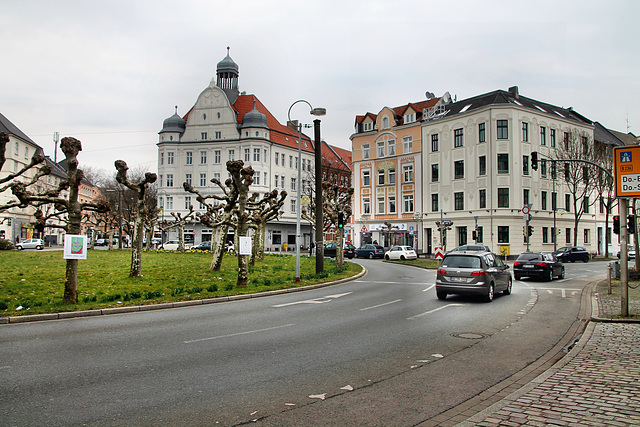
513,90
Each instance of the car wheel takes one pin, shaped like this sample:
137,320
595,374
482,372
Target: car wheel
509,287
561,275
19,248
441,295
517,276
402,258
550,276
586,260
371,255
39,248
489,296
386,257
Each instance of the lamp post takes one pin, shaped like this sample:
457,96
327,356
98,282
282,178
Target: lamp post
315,112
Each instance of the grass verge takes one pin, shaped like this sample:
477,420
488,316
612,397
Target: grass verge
32,282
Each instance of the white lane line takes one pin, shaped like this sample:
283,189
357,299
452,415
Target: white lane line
429,288
434,310
380,305
240,333
386,283
320,300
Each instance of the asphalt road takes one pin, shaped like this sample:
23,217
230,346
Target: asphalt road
381,350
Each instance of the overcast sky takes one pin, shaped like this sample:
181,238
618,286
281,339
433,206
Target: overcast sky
109,73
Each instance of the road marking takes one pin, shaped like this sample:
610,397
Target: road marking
429,288
563,291
380,305
385,283
237,334
320,300
434,310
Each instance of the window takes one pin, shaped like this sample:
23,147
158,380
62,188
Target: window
543,168
392,176
566,140
392,204
482,199
381,177
567,235
503,197
291,162
169,180
365,151
232,155
277,158
408,202
170,158
586,235
203,157
435,176
169,202
366,178
458,138
586,204
366,206
218,134
407,171
380,205
392,147
482,165
545,234
276,180
435,145
161,157
256,178
282,181
294,205
525,165
293,184
458,201
543,135
503,163
526,199
282,157
187,202
407,144
189,158
216,175
367,126
479,236
503,129
503,234
482,137
434,203
458,167
380,145
256,155
525,131
385,122
567,202
187,178
276,237
552,137
543,201
554,201
203,180
296,163
247,156
409,118
217,157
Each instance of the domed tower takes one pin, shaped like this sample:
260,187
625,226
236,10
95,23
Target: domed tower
173,128
254,124
227,73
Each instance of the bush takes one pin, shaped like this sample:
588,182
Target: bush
212,288
3,305
5,245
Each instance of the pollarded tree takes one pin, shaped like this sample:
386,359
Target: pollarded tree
140,188
179,221
241,180
263,211
69,210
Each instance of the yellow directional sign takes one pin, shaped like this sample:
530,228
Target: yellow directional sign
627,171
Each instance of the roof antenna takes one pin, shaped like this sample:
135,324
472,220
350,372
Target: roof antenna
176,109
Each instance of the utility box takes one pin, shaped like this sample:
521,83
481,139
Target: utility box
615,269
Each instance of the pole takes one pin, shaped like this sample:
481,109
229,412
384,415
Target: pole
555,208
624,261
298,207
319,199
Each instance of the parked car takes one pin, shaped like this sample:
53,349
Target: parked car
401,252
170,245
542,265
369,251
101,242
348,250
462,248
203,246
473,273
30,244
631,252
572,254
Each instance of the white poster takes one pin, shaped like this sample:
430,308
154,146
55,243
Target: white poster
75,246
245,246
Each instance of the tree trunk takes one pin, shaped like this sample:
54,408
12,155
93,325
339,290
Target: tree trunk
71,282
339,251
259,240
136,244
217,247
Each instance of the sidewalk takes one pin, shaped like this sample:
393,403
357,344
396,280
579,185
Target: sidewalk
596,384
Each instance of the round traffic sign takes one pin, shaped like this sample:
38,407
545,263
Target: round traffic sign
525,210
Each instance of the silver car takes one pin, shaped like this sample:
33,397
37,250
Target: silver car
472,273
30,244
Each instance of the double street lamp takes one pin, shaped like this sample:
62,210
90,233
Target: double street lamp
315,112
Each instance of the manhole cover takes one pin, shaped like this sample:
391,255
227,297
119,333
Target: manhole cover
469,335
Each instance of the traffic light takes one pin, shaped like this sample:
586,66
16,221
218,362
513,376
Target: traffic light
534,160
474,233
631,224
340,220
616,224
529,230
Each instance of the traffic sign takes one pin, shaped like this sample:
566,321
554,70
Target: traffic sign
525,210
439,253
627,171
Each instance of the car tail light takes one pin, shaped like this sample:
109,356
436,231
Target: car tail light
479,273
541,264
516,263
442,271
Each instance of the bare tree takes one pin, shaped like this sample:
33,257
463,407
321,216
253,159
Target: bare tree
179,221
70,209
140,188
604,186
263,211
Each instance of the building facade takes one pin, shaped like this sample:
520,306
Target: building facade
225,124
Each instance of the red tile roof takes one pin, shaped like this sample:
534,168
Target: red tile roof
418,107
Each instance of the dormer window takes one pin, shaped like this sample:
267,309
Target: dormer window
367,126
385,122
409,118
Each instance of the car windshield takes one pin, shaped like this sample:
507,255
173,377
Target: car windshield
457,261
529,257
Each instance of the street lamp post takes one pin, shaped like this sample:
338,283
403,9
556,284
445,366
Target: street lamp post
315,112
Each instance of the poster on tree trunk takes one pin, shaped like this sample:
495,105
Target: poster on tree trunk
245,246
75,246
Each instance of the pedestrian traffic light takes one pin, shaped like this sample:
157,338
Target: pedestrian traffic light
340,220
534,160
631,224
474,233
529,230
616,224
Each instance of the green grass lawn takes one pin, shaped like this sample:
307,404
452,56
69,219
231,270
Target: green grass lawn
32,282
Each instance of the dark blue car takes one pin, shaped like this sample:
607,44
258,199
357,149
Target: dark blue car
370,251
